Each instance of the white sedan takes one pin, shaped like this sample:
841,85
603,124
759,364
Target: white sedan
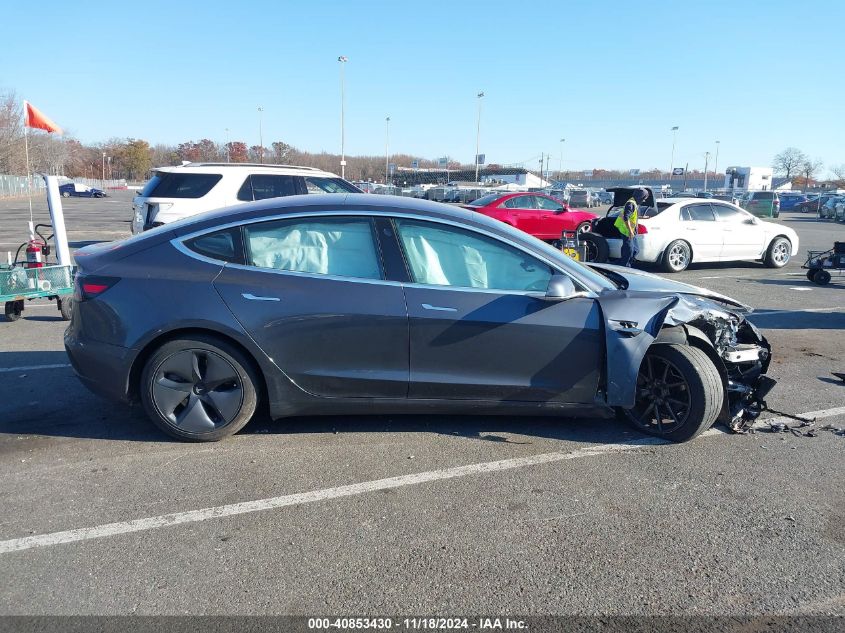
680,231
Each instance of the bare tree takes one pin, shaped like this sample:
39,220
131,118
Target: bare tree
809,169
839,172
790,162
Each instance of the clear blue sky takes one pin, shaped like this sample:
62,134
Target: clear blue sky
610,77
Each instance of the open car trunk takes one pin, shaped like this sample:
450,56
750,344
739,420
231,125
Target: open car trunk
604,226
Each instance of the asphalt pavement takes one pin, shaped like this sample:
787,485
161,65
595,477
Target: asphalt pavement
431,515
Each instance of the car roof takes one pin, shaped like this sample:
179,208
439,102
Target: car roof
253,168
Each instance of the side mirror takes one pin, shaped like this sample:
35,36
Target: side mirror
561,287
560,210
750,221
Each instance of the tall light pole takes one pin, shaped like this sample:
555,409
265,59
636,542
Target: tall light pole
109,160
674,136
716,164
478,133
560,169
706,160
342,60
227,145
386,149
103,178
260,135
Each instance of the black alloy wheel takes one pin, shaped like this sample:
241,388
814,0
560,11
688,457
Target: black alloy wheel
679,393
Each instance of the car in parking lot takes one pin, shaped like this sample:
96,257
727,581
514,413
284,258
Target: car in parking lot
763,204
675,232
537,214
343,304
581,198
79,190
789,200
178,192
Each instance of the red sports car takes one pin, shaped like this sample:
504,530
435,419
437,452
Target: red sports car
535,213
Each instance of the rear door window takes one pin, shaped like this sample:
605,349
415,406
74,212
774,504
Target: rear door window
343,247
698,213
180,185
264,186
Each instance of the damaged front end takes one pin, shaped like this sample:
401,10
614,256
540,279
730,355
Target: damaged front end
635,320
745,354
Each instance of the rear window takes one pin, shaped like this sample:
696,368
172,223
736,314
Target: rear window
483,201
180,185
650,212
763,195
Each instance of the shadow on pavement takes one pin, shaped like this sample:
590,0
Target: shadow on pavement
798,320
53,403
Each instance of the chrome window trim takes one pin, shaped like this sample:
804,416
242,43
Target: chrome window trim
178,243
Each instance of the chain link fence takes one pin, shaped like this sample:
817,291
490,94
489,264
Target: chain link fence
16,186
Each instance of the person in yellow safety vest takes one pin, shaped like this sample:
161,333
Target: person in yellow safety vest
626,223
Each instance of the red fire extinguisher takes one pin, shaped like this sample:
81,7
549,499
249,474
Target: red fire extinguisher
33,254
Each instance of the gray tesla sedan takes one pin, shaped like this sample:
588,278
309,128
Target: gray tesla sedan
377,304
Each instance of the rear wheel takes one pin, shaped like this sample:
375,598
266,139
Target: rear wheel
65,194
200,389
779,252
65,307
679,393
597,248
13,310
677,257
821,277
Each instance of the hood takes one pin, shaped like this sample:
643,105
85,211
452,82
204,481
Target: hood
638,280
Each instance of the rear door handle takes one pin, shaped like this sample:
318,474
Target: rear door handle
428,306
252,297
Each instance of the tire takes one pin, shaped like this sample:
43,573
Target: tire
65,194
692,408
821,277
811,273
676,257
778,253
13,310
584,227
66,307
597,249
217,384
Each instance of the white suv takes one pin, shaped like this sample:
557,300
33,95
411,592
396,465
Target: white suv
177,192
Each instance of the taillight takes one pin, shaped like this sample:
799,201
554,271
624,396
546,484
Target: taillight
641,229
90,286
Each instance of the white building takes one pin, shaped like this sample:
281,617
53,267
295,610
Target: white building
748,178
527,180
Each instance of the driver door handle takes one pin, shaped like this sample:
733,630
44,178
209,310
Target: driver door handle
252,297
428,306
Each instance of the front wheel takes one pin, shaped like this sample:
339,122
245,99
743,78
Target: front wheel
65,307
677,257
65,194
779,252
201,389
679,393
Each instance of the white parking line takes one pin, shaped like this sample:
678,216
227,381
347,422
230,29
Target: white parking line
5,370
259,505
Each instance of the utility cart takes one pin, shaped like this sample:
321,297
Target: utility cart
821,265
29,275
19,284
